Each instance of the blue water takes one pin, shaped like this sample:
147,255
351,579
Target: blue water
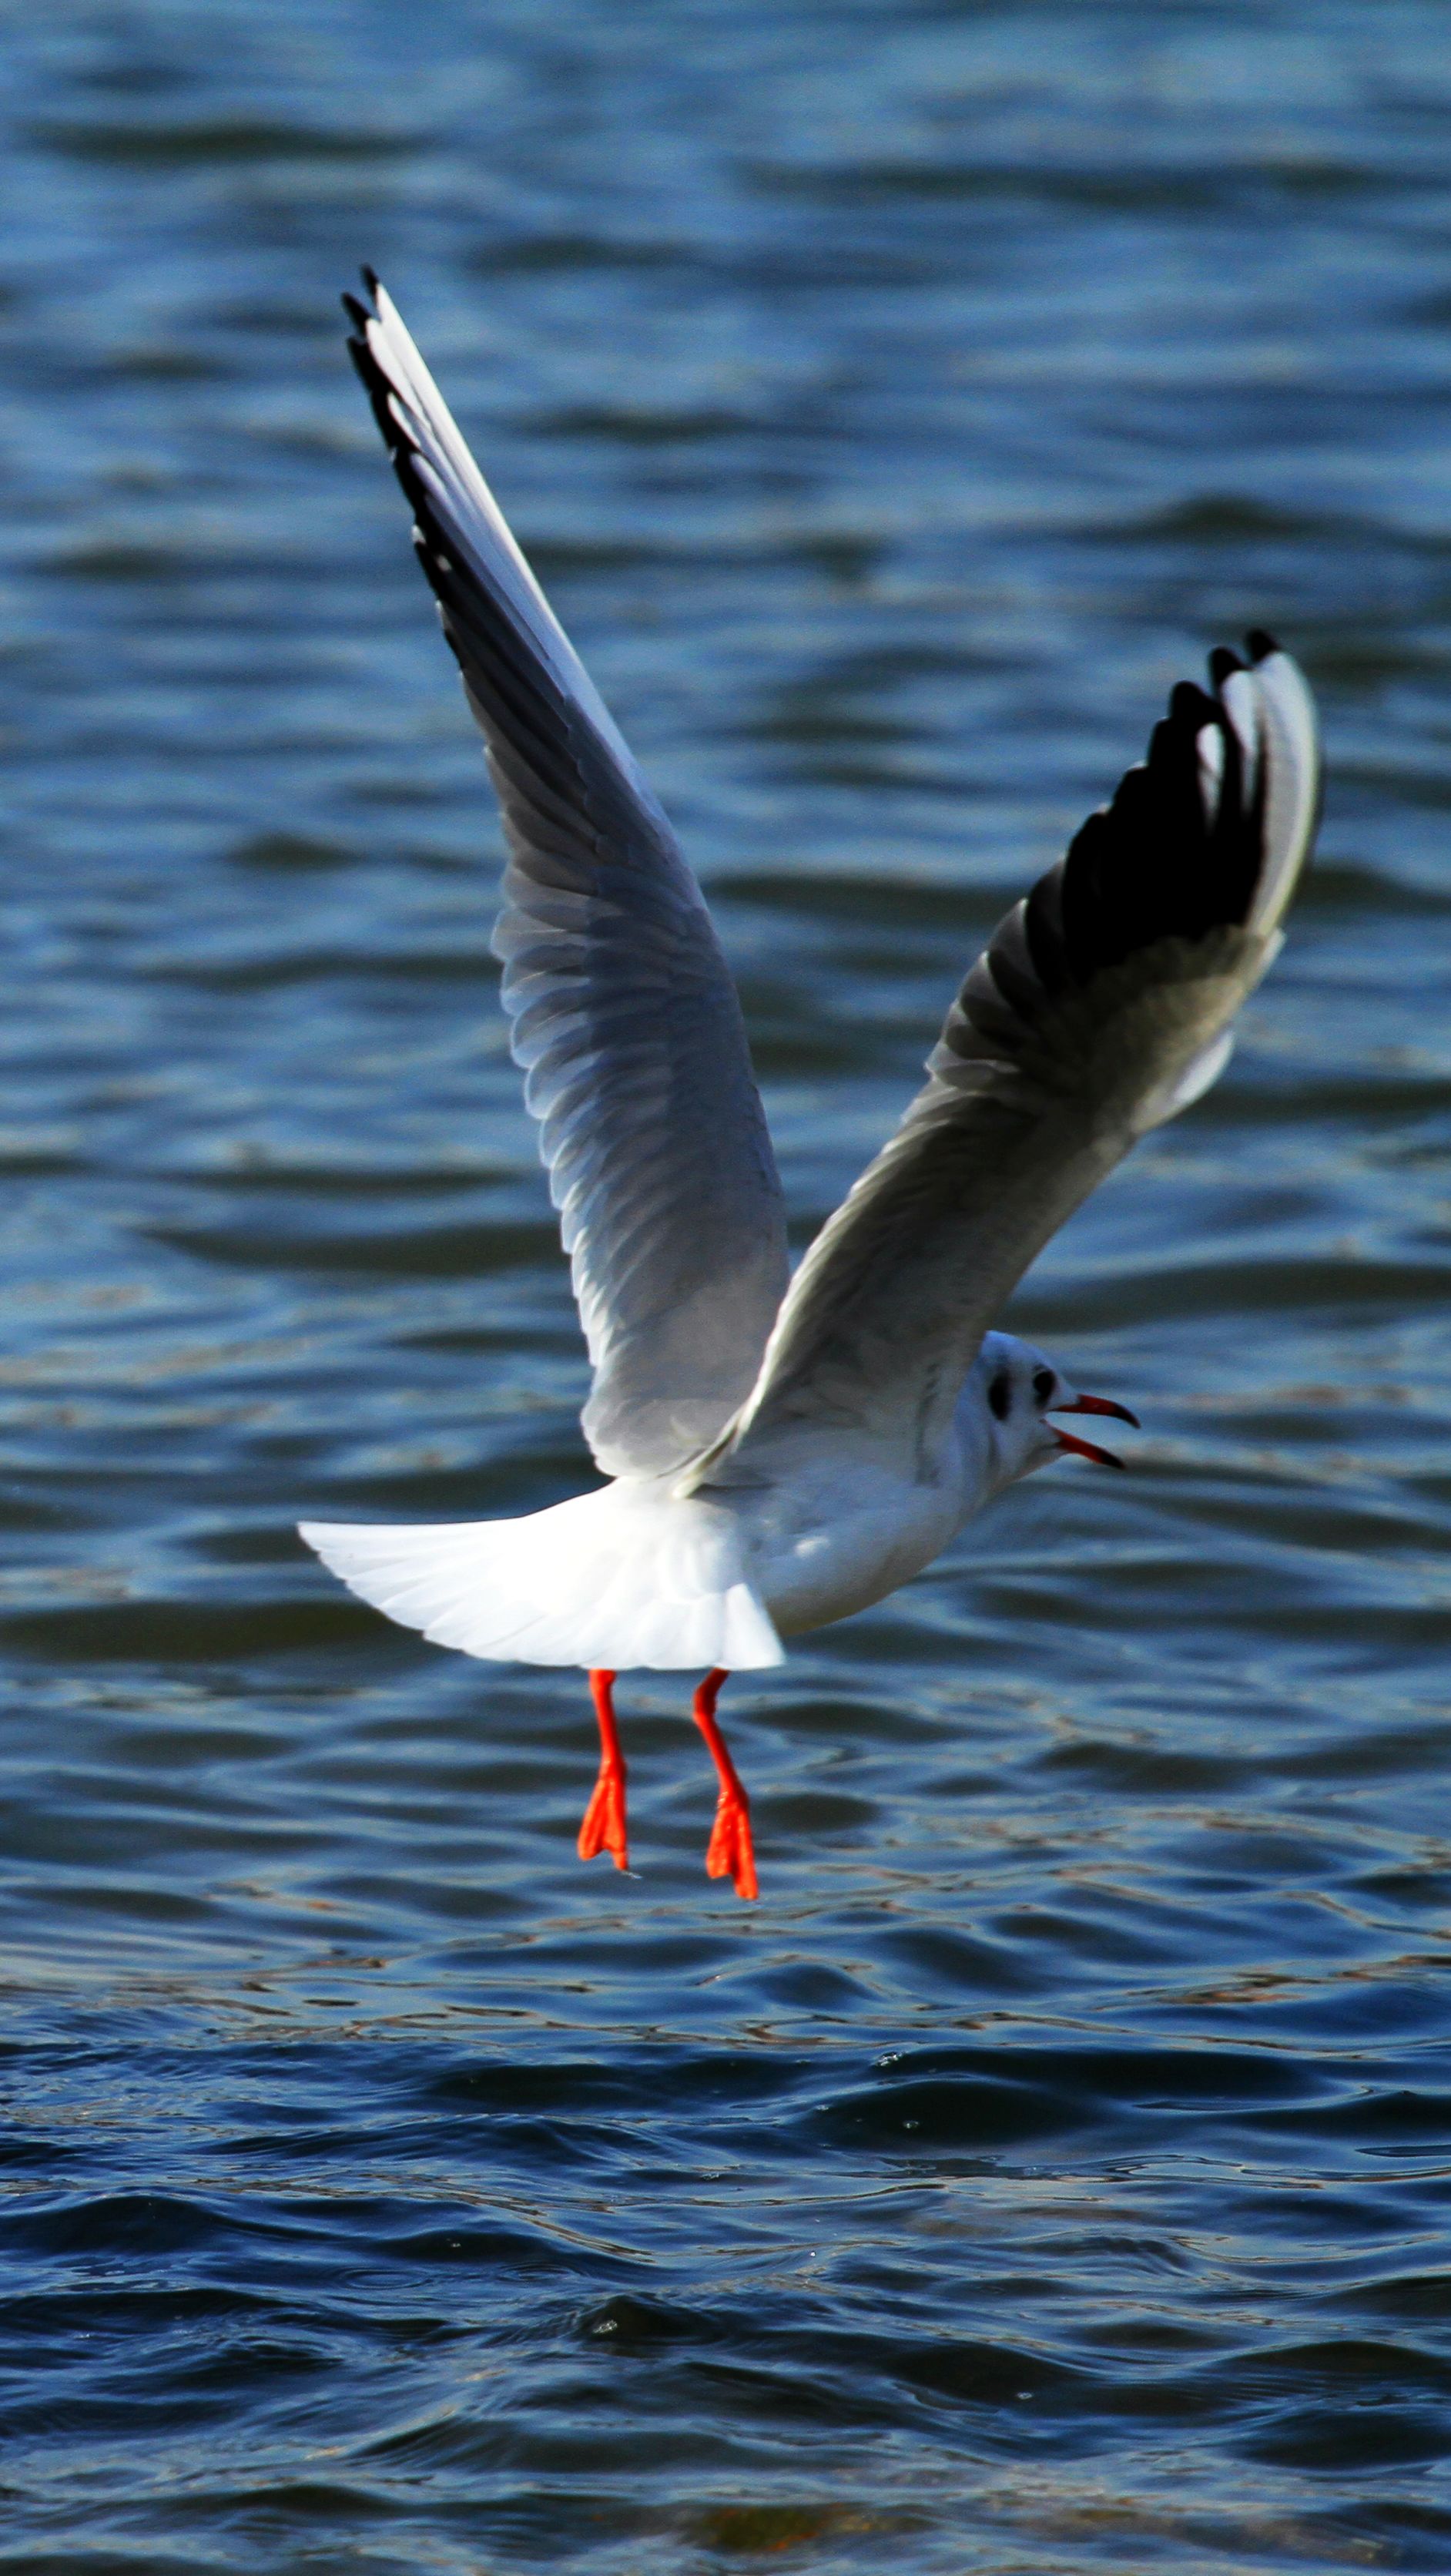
1051,2174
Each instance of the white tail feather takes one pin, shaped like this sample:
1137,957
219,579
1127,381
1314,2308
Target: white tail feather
619,1578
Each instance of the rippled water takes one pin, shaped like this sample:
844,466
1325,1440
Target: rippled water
1051,2173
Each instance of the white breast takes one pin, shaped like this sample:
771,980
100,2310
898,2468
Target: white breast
839,1531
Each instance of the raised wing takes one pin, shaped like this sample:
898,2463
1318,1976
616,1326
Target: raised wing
1103,1004
624,1014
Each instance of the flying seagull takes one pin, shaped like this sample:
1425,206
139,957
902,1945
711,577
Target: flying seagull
781,1451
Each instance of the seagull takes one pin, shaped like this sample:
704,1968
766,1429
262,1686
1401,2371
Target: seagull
782,1451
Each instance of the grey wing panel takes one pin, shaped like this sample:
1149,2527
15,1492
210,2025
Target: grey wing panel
624,1014
1103,1005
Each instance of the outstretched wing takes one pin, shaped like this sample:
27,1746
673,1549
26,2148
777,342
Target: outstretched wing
624,1014
1103,1004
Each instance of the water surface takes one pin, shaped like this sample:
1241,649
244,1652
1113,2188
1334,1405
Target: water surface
1051,2174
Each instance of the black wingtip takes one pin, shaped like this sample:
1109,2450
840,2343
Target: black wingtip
357,313
1223,664
370,278
1261,645
1188,704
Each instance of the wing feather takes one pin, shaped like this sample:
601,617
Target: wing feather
623,1012
1103,1004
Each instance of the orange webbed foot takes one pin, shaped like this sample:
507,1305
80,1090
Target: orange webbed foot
604,1827
731,1854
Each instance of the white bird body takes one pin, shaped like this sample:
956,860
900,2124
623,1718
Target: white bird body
641,1573
784,1451
638,1575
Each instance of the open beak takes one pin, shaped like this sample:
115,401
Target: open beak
1090,1448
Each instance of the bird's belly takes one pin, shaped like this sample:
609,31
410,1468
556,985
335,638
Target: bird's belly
816,1566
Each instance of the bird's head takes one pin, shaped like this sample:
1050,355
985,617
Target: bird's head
1016,1389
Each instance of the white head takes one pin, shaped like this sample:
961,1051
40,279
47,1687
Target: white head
1011,1390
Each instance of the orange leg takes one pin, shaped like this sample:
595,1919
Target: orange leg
730,1855
604,1818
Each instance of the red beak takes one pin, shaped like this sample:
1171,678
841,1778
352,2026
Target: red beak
1089,1448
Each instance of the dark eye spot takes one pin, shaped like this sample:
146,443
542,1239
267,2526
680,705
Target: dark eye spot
1000,1394
1043,1385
